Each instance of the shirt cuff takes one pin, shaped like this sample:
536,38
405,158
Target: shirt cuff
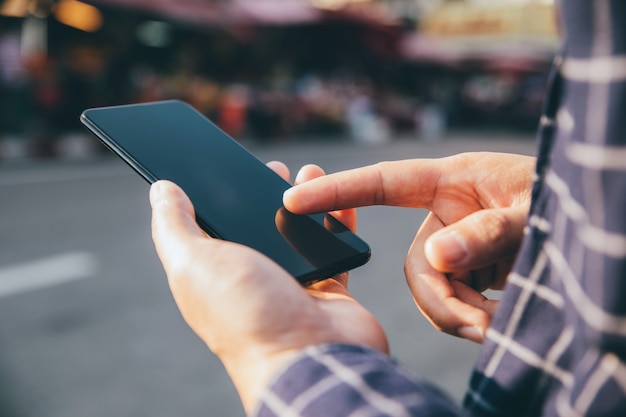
341,380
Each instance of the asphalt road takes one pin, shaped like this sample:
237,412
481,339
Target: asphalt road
87,324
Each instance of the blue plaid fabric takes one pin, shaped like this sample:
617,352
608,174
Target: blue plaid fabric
557,344
344,380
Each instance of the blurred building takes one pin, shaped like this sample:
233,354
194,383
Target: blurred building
496,55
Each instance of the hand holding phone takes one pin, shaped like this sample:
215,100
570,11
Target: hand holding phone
236,197
250,312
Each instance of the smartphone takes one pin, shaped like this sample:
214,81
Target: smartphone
236,197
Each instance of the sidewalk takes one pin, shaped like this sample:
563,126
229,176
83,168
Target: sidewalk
81,146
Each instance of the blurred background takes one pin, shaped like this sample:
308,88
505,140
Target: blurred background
275,69
87,326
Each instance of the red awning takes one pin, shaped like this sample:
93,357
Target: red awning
193,11
264,12
216,12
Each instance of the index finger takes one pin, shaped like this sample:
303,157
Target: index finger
408,183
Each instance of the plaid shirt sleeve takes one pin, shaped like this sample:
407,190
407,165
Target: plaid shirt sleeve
345,380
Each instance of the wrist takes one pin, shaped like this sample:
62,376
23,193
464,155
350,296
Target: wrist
253,370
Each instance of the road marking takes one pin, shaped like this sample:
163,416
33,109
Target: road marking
46,272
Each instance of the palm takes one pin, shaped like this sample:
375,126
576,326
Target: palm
349,319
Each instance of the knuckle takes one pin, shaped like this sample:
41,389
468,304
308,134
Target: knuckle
497,226
379,197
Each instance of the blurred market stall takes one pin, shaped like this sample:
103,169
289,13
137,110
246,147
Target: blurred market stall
368,70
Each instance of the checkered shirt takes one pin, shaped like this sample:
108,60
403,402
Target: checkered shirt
557,344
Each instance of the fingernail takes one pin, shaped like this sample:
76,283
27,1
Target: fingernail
300,176
287,194
155,192
472,333
452,246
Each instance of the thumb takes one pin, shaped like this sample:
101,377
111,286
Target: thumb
477,240
173,223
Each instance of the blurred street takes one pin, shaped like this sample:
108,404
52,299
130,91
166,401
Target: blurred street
87,324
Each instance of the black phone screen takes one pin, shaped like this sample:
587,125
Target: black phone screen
236,196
